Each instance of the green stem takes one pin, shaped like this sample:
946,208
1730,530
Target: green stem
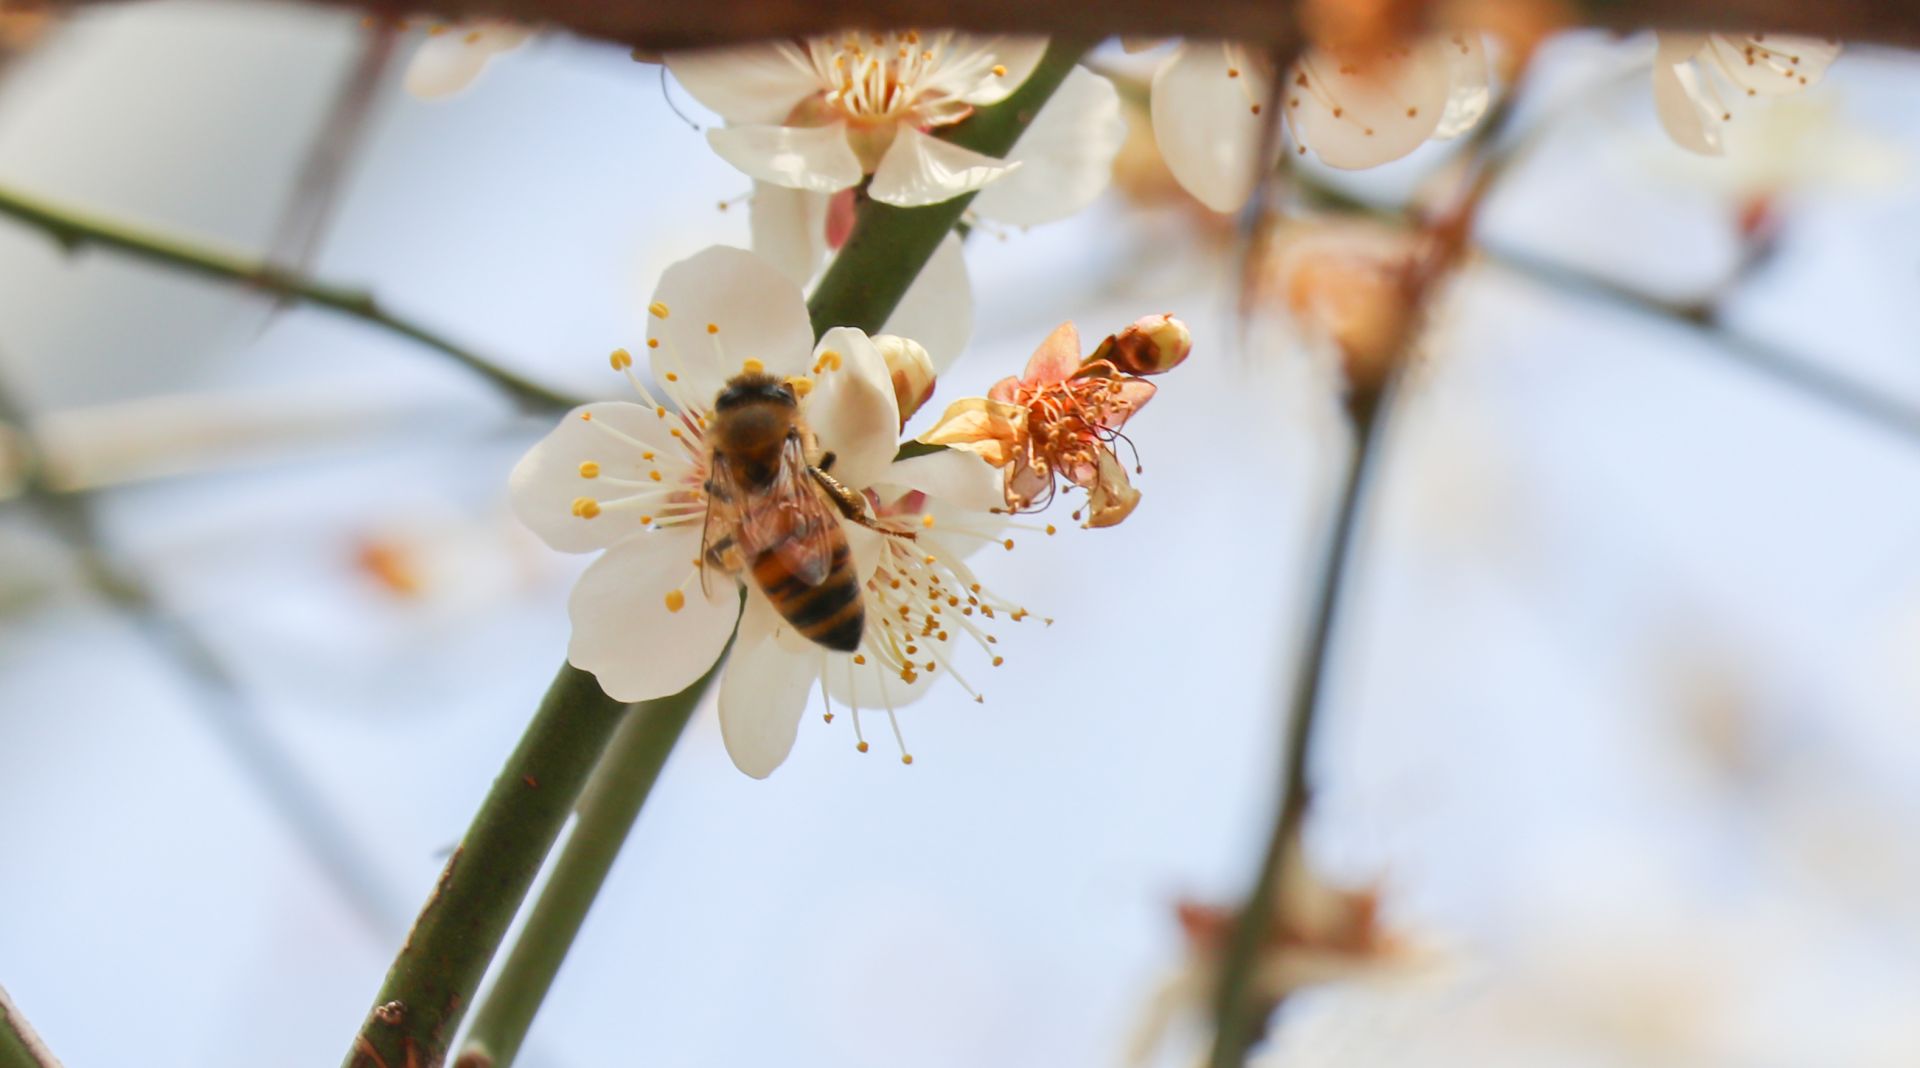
20,1047
73,228
608,809
888,246
453,940
1238,1011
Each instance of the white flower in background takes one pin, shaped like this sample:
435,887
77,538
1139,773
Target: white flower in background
630,479
1208,98
822,114
1064,161
454,54
1690,105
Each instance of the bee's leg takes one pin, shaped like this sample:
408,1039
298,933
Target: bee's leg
826,462
850,504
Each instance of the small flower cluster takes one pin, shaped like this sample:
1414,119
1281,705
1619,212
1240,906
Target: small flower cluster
1062,415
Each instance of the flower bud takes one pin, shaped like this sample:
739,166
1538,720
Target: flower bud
911,370
1154,344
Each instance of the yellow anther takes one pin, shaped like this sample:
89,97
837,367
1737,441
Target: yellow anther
753,367
999,70
646,456
646,520
927,521
713,328
998,660
653,342
655,475
1051,529
906,758
862,747
801,384
912,649
586,417
657,309
676,600
589,469
942,635
660,410
859,658
586,507
621,359
1008,543
927,560
671,377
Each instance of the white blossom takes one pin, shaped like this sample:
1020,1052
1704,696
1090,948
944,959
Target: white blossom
454,54
629,480
823,114
1208,100
1686,65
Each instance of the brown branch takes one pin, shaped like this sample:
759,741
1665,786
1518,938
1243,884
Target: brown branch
664,24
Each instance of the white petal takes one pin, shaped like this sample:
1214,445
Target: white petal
1353,119
763,694
1693,123
1204,123
814,158
919,170
1066,155
449,62
1469,96
548,479
759,311
937,310
756,84
1771,64
952,477
789,229
625,634
872,686
968,73
1671,48
852,410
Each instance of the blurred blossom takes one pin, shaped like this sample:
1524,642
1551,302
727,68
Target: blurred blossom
1685,64
1320,934
1800,145
822,114
454,54
22,25
1343,285
639,482
1352,112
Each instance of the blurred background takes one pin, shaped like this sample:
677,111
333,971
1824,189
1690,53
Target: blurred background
1624,718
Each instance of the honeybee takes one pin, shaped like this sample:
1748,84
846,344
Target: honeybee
773,511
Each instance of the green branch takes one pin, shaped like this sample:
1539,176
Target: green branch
461,927
608,809
74,229
433,979
20,1047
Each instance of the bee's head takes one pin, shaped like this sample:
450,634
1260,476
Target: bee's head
754,387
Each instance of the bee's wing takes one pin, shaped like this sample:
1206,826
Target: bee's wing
720,547
789,518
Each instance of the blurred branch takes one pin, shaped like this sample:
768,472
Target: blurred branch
19,1046
74,229
1793,370
1373,385
611,803
661,24
462,923
273,771
453,940
323,174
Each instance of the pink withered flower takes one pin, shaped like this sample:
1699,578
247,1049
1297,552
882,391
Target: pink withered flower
1062,415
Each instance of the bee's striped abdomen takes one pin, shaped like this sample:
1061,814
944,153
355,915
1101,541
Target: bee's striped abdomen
831,613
